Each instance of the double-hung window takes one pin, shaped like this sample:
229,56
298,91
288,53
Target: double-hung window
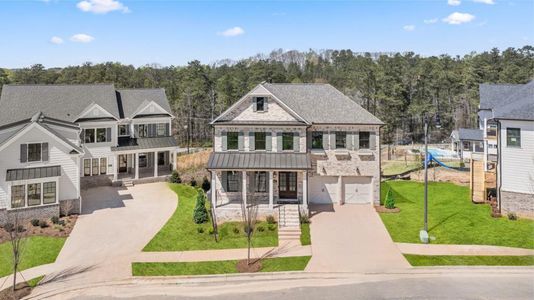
364,140
232,179
260,103
18,196
103,165
161,129
49,192
124,130
260,181
341,140
97,135
513,137
87,167
101,135
89,135
317,140
232,140
259,140
287,141
34,152
34,194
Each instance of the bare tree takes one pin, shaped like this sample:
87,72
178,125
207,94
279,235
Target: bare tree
17,236
249,216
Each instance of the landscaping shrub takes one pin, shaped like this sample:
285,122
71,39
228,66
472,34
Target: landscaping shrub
210,231
304,219
61,222
206,185
175,177
271,227
193,182
512,216
35,222
43,224
236,230
54,219
389,203
200,230
8,227
260,229
200,214
270,219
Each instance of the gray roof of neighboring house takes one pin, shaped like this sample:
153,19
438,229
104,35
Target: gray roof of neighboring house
321,104
33,173
145,143
133,99
494,94
259,161
63,102
519,104
468,134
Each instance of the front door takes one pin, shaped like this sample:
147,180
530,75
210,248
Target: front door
287,185
123,163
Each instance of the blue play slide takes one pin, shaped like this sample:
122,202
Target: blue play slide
431,157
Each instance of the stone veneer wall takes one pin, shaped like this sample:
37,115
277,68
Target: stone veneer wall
72,205
27,214
517,202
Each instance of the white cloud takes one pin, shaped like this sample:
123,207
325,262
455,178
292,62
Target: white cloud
234,31
485,1
101,6
82,38
431,21
56,40
457,18
409,27
454,2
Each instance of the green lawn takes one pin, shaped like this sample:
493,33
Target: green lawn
305,238
453,218
37,250
180,233
452,260
278,264
392,167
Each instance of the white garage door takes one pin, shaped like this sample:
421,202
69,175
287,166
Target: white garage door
357,189
323,189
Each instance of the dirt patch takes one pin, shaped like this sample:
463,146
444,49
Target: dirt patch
193,166
441,174
62,229
383,209
22,290
243,267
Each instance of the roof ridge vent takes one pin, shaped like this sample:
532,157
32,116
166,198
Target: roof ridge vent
38,117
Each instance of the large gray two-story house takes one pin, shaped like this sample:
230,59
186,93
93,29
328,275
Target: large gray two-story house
58,139
294,144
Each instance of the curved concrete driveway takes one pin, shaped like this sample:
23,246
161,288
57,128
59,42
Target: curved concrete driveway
115,225
351,238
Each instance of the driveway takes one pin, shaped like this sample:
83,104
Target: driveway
351,238
115,225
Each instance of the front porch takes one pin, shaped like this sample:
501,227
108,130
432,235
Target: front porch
144,165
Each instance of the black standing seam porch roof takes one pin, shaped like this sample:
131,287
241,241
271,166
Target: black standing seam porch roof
33,173
257,161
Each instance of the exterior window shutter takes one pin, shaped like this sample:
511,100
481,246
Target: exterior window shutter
224,141
23,153
44,151
252,181
240,180
296,141
108,135
265,103
279,141
254,106
154,133
332,140
325,140
309,140
136,131
268,141
167,129
82,136
372,140
240,141
349,140
251,141
356,138
224,180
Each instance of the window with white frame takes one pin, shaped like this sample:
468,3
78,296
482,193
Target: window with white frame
34,152
33,194
103,165
260,181
97,135
49,192
95,166
161,129
232,181
124,130
18,196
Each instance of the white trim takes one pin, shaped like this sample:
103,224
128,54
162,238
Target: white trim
141,108
90,108
25,183
271,95
28,128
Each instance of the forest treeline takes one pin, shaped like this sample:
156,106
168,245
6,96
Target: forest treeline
399,88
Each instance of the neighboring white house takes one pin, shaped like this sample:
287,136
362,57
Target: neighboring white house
58,139
466,141
294,144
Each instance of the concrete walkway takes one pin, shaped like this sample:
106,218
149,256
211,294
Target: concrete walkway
483,250
284,250
351,238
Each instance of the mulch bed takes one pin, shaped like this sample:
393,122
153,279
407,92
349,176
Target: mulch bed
53,230
383,209
243,267
22,290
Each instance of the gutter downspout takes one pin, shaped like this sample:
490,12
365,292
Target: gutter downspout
499,163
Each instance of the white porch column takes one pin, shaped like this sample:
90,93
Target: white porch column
244,187
136,162
156,164
174,160
271,189
213,189
340,189
116,168
305,190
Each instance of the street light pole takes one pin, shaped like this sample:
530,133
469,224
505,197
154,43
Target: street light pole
423,234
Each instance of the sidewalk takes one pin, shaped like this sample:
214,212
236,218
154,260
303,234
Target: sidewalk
27,274
478,250
284,250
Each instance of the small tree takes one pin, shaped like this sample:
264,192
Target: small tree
206,185
200,214
390,201
16,236
249,216
175,177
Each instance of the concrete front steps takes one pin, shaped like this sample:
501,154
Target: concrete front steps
289,223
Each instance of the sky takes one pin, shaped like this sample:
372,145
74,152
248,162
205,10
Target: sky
59,33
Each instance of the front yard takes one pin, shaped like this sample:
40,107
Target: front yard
457,260
180,233
453,218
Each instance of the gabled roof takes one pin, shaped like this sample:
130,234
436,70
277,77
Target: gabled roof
64,102
468,134
494,94
133,100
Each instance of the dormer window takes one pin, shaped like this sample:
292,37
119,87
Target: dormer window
259,103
